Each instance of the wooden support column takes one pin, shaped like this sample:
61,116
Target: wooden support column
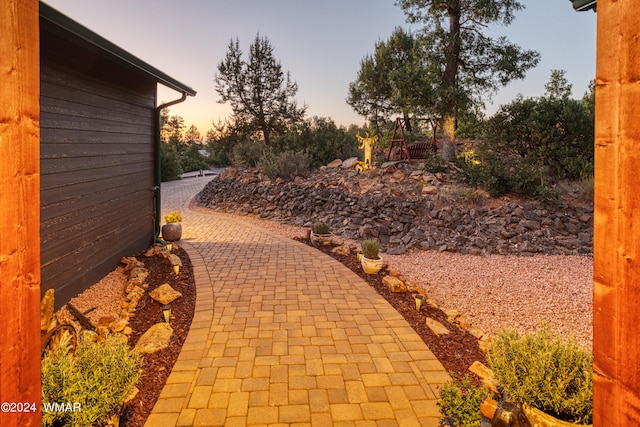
19,212
616,304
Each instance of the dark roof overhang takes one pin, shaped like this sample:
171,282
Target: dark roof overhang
69,25
582,5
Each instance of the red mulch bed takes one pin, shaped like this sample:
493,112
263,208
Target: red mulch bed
157,366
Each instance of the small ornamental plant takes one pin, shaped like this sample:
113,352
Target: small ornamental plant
371,248
173,217
98,378
320,227
460,402
545,373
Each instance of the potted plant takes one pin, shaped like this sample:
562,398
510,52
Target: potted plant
320,233
551,379
371,261
172,230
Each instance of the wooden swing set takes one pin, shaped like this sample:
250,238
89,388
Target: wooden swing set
415,150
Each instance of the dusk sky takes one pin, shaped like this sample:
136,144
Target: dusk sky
321,43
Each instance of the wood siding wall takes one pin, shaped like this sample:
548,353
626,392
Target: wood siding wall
97,164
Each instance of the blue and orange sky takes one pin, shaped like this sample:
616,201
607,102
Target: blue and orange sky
320,43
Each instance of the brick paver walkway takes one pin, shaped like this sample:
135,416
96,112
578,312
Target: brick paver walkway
284,335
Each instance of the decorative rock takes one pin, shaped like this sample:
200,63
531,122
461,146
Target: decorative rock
529,224
165,294
155,339
393,272
46,310
451,313
398,175
432,302
343,250
462,322
118,325
389,169
349,162
436,327
584,218
138,275
174,260
481,370
416,175
394,284
335,164
475,332
135,294
429,189
106,320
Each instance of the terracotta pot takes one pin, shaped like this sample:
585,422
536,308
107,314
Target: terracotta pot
320,239
172,232
371,266
537,418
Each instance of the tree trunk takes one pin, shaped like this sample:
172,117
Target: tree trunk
20,212
616,379
451,81
448,138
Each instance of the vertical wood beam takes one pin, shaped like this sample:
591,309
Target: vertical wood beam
616,303
19,209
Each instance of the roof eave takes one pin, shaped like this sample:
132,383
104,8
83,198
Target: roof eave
583,5
56,18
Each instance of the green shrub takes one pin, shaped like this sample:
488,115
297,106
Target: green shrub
247,153
434,164
99,377
585,191
545,373
555,132
320,139
487,174
285,165
473,196
320,227
191,159
460,401
371,248
170,166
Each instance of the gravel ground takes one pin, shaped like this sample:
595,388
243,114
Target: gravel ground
498,291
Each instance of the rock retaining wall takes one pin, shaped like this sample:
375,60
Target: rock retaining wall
408,221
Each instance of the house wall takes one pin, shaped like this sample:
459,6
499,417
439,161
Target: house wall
97,163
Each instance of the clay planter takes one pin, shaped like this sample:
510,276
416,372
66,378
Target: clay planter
496,411
537,418
371,266
320,239
172,232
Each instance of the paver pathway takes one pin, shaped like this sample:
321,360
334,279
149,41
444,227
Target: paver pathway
285,335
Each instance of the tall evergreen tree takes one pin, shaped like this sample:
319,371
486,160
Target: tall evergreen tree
391,81
261,95
463,63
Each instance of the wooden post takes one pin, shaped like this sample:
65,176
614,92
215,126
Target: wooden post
19,213
616,303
